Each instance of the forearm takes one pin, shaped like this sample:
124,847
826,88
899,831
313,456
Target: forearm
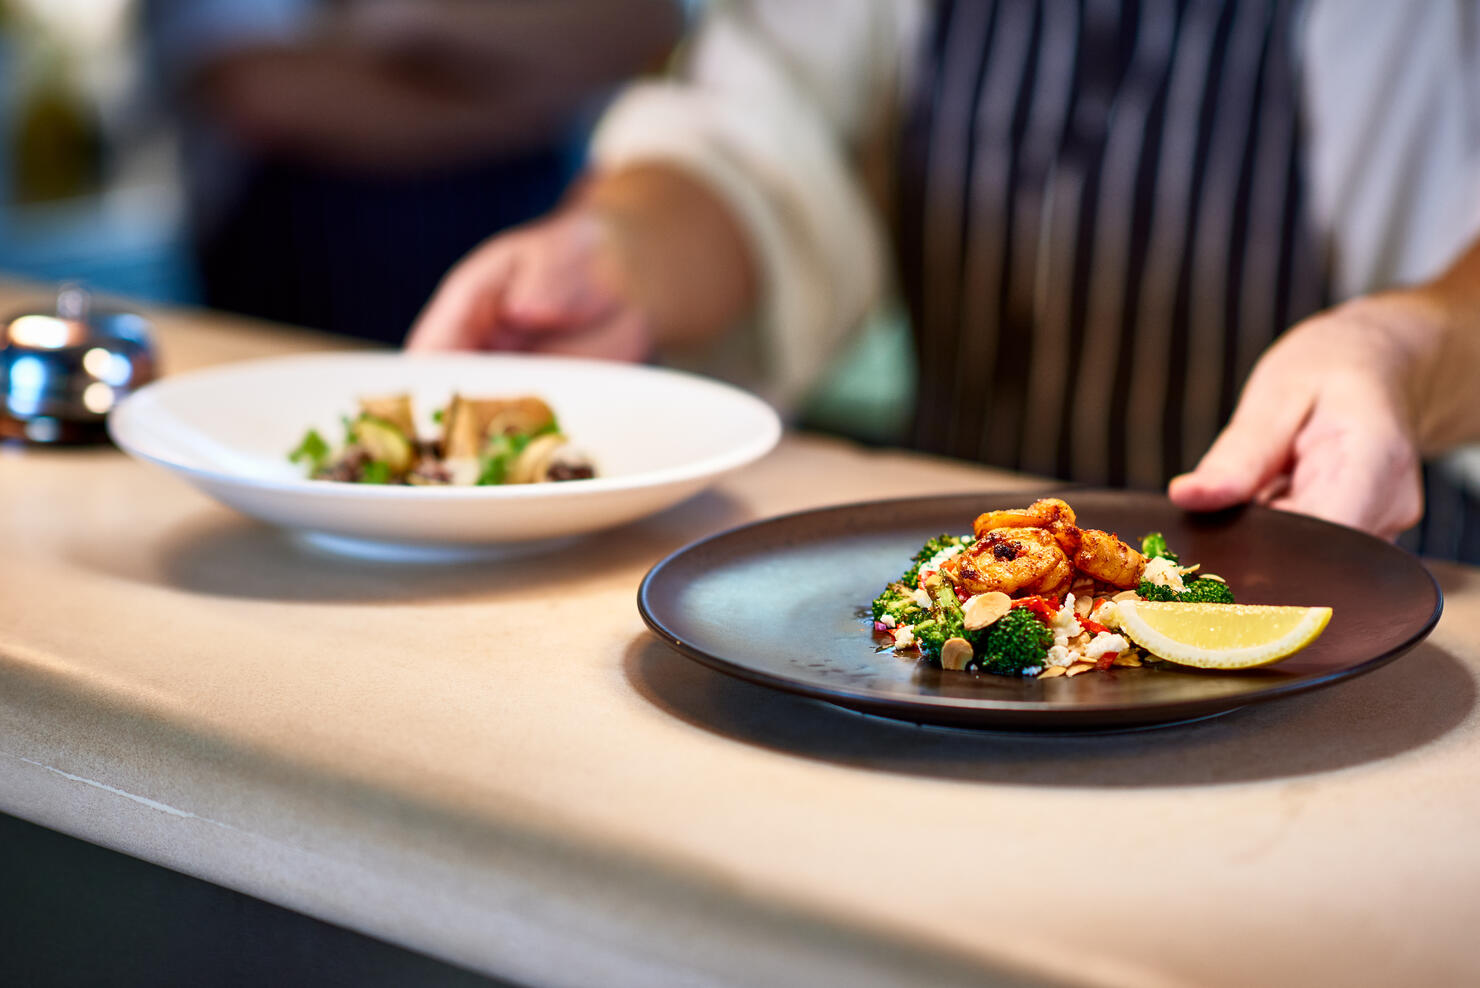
686,260
548,57
1435,334
395,85
332,104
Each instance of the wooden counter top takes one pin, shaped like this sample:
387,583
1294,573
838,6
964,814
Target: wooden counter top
496,764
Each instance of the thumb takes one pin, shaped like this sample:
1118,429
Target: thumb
1254,448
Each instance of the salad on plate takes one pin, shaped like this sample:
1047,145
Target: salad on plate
480,442
1032,594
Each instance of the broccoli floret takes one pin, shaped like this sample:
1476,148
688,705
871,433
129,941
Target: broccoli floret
1016,641
1202,590
928,551
1155,591
1154,545
1205,590
898,601
945,619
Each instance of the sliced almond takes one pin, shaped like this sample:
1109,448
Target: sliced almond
1083,604
985,609
1126,595
462,435
395,409
955,653
1051,672
1079,667
1081,639
1128,659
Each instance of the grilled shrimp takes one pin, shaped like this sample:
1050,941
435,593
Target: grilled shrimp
1014,560
1050,522
1106,558
1046,512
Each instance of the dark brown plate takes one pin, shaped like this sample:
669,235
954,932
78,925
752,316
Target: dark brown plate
778,602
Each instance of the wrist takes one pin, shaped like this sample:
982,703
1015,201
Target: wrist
1413,333
686,261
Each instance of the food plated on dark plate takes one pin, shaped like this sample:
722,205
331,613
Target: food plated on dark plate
1032,593
789,603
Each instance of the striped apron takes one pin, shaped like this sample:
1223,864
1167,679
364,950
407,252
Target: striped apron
1102,226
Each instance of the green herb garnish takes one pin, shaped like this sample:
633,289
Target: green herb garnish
376,472
313,450
1154,546
500,453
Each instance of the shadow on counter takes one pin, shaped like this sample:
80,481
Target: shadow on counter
1400,707
221,554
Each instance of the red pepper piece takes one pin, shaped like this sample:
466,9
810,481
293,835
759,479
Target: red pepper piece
1106,661
1093,627
1041,608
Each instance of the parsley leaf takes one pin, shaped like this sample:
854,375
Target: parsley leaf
312,450
376,472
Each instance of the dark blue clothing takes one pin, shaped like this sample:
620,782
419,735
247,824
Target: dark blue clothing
357,255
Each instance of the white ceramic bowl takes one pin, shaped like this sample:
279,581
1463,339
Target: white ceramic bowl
656,436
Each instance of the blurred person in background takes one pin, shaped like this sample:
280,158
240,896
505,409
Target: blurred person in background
1101,214
341,154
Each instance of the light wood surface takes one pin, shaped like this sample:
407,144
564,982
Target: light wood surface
495,763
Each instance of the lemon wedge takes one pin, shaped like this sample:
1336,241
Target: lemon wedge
1221,636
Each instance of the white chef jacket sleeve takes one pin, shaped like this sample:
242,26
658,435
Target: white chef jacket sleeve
1392,101
769,111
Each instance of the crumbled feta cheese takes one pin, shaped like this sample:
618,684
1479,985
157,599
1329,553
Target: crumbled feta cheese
1104,642
904,637
1065,622
921,597
888,621
1163,572
1059,655
933,563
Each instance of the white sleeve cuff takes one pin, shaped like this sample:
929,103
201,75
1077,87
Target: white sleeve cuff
815,238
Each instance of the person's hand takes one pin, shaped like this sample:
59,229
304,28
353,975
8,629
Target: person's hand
1327,424
557,286
641,257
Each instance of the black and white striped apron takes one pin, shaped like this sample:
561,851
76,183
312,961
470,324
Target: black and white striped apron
1102,226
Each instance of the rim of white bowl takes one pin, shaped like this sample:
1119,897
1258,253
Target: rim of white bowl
711,466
